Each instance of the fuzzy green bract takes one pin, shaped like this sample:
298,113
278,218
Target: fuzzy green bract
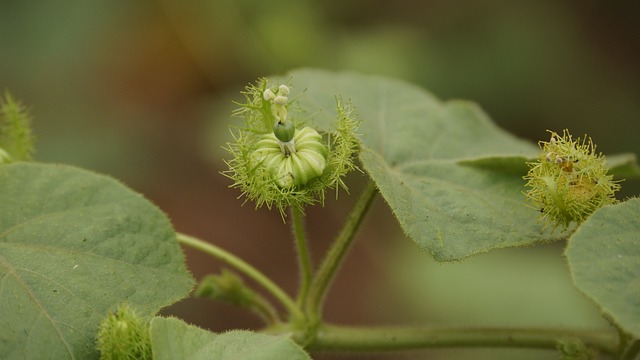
452,178
73,246
173,339
16,138
124,335
604,259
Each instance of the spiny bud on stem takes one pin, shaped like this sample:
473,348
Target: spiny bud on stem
16,138
569,181
124,335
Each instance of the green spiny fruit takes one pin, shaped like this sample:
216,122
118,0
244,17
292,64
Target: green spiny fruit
569,180
123,335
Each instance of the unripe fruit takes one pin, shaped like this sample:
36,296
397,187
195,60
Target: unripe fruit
296,168
284,131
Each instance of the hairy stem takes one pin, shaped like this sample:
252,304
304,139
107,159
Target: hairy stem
332,261
362,339
304,258
243,267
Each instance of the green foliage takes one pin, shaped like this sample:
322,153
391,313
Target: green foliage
604,259
123,335
174,339
624,166
439,165
569,181
73,245
16,138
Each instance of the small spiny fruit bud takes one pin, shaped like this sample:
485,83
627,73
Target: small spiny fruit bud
569,181
124,335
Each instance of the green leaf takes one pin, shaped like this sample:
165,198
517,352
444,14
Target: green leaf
604,259
452,178
73,245
624,166
173,339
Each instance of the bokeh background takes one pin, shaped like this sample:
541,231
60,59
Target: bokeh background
142,90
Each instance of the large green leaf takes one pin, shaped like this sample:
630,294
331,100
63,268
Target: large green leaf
73,244
452,177
173,339
604,258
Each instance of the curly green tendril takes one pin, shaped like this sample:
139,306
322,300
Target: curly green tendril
569,180
279,161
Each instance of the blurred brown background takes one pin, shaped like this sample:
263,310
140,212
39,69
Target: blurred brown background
141,90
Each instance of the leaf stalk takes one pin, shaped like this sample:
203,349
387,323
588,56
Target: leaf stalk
245,268
331,263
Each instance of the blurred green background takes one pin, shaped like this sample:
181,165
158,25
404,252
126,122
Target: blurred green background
141,90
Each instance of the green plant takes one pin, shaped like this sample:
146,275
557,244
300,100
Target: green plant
75,246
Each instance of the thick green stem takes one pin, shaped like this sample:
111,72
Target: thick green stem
332,261
363,339
243,267
304,258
